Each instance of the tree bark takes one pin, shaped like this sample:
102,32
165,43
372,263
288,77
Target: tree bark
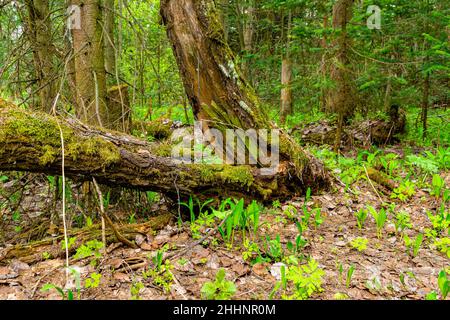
341,97
219,95
31,142
248,35
40,34
286,74
425,104
110,48
90,73
324,68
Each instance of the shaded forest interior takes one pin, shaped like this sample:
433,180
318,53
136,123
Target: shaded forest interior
269,130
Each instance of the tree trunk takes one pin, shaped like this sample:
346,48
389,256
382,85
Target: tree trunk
425,104
220,96
31,142
286,91
224,4
286,75
110,48
341,100
324,68
248,33
40,34
90,74
120,113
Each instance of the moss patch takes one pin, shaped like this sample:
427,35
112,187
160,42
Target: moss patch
43,132
241,175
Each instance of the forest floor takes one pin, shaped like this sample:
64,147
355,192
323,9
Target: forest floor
337,259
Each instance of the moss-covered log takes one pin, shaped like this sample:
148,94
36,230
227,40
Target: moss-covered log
34,252
221,98
365,133
31,142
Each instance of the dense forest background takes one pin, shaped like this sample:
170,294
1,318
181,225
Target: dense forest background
96,94
404,62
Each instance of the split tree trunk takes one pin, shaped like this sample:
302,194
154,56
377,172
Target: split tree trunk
219,95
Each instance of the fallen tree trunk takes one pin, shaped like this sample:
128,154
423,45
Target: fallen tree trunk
365,133
31,142
33,252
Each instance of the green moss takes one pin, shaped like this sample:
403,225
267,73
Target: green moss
43,132
107,152
36,128
163,149
49,156
215,27
241,175
117,88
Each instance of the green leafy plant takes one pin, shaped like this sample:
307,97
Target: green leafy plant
237,217
425,165
350,272
444,284
380,219
46,255
65,295
402,221
341,271
161,277
90,249
291,212
405,191
438,186
431,296
318,218
220,289
441,157
203,222
132,218
276,204
70,242
93,281
390,163
443,245
360,244
361,217
340,296
273,248
413,247
161,273
16,216
307,280
251,250
440,221
300,243
253,213
135,290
